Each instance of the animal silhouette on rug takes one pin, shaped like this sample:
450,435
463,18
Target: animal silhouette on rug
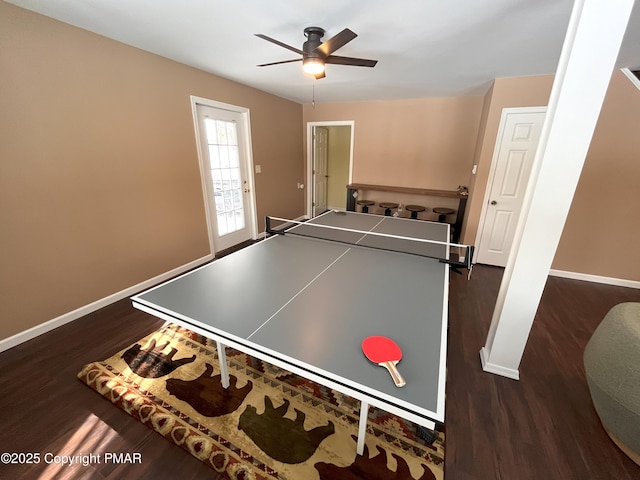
150,362
207,395
365,468
281,438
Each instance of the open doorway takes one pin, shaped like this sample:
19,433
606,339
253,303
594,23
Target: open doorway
329,165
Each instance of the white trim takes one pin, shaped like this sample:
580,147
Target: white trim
496,369
246,120
310,125
402,409
45,327
194,113
619,282
632,77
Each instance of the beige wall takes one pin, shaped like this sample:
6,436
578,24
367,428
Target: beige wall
605,208
99,179
424,143
602,232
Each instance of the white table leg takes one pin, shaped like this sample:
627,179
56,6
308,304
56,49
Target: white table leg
222,360
362,427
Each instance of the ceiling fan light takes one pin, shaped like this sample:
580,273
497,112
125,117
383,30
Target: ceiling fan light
313,66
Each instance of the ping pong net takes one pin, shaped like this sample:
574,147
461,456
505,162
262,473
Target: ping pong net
415,237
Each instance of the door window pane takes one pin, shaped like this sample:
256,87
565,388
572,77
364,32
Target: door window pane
222,139
234,158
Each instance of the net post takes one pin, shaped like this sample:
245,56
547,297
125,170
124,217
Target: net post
270,230
469,257
466,263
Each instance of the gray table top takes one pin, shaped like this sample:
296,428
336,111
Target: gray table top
309,303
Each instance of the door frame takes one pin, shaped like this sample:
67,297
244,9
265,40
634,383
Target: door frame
202,160
494,164
310,165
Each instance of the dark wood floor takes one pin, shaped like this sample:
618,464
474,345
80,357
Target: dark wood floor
540,427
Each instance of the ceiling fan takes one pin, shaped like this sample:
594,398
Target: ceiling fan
315,53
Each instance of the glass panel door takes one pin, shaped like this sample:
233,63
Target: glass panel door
226,167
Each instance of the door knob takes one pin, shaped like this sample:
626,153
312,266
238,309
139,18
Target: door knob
493,202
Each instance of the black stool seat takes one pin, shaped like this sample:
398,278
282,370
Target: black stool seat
415,209
443,212
365,205
387,207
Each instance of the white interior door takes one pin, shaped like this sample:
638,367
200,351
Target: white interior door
320,175
516,146
226,169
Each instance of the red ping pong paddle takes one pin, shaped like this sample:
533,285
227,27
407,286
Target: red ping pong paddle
386,353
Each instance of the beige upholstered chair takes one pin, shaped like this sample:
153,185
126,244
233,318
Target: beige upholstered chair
612,365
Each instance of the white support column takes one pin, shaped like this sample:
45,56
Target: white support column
591,46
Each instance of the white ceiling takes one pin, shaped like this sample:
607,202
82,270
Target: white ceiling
424,48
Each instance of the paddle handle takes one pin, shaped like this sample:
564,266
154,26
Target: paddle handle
398,379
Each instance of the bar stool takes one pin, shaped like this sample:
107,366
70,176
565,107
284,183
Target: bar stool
387,207
442,213
415,209
365,205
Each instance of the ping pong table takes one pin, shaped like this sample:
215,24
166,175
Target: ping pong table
305,304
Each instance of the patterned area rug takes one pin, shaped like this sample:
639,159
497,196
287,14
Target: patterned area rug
269,424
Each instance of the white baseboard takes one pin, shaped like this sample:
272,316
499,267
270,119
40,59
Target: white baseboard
619,282
45,327
496,369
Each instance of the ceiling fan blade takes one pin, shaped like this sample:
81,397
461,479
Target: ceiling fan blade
278,63
335,42
356,62
277,42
